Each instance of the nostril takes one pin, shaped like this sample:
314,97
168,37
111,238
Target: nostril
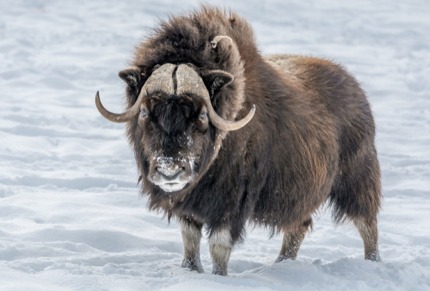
169,174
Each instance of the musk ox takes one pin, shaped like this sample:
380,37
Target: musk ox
224,136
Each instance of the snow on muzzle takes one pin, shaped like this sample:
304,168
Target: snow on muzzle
171,174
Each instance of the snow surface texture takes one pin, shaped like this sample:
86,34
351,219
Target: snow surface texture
70,214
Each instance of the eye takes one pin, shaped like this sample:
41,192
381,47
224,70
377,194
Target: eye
143,112
203,115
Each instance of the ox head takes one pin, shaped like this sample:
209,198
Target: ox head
176,123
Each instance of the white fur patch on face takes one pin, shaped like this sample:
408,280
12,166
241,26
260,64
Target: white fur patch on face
221,237
172,187
168,165
172,174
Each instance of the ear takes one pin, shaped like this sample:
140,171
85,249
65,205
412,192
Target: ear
215,80
131,76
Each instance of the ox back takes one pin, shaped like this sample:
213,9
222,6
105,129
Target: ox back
206,159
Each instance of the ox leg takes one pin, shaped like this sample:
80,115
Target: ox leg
292,240
368,230
191,236
220,246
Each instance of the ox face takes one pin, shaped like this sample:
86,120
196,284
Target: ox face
175,122
176,137
175,126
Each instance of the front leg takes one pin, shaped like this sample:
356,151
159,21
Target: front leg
220,246
191,236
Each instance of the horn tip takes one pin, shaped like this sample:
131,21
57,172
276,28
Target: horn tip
218,38
252,111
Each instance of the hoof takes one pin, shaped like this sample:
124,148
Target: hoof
192,266
374,257
283,258
219,272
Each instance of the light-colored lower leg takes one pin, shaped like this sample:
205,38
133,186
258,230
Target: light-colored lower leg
220,246
191,236
369,233
292,241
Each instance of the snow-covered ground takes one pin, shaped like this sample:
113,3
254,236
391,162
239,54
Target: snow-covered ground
70,214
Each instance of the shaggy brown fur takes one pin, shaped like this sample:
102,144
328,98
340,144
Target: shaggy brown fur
310,141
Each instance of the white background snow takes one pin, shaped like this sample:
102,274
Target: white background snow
70,214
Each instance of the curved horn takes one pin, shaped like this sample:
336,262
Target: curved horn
160,79
224,124
120,117
233,50
189,81
218,38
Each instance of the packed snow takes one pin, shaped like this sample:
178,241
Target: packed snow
71,217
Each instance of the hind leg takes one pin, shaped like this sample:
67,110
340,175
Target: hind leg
292,240
368,230
357,197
